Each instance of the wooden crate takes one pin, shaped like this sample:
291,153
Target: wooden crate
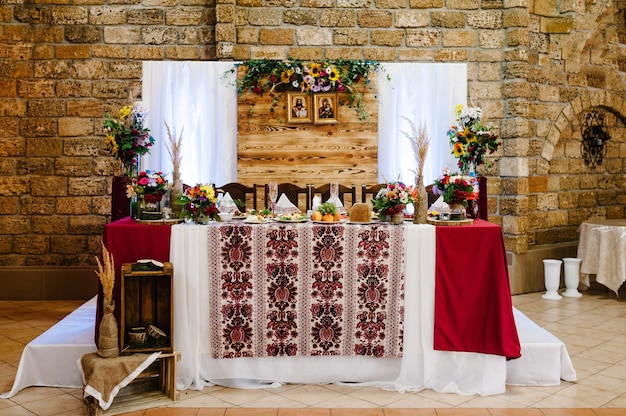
147,298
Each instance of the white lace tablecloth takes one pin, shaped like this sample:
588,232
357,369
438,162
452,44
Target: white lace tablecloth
602,248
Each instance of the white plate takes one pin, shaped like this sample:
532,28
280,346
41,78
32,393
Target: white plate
329,222
282,220
255,221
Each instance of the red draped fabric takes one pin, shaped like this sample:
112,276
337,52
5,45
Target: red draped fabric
473,307
129,241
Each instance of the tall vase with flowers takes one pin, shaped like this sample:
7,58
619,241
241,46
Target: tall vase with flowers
392,199
126,139
198,204
470,139
148,187
456,189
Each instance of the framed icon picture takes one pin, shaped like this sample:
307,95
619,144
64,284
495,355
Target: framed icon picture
325,107
299,108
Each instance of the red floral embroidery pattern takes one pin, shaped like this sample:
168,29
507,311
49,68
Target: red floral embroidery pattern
302,289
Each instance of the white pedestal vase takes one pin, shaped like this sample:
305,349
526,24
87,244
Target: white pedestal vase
571,266
552,277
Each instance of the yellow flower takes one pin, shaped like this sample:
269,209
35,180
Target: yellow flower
124,112
305,86
333,74
469,135
458,149
286,76
111,144
314,70
458,109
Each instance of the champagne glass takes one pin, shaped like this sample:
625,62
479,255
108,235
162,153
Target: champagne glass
273,193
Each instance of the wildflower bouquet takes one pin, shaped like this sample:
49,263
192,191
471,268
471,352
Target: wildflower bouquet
455,188
393,198
470,139
126,136
198,204
148,186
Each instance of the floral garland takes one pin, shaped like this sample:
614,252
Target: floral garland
470,139
274,76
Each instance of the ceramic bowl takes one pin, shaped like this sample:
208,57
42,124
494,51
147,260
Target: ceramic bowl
226,216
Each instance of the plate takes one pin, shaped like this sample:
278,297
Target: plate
361,223
329,222
256,221
282,220
240,217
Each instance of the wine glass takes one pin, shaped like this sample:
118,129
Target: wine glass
273,193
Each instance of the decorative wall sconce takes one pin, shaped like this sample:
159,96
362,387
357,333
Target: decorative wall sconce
595,136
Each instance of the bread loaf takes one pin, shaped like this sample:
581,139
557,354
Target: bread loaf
360,212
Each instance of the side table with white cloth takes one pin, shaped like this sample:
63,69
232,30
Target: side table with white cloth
602,248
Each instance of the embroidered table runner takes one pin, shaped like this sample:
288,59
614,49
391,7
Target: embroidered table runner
306,289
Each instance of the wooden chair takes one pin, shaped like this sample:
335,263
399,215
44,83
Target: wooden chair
245,194
369,192
324,192
296,194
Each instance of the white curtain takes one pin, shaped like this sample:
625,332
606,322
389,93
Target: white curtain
199,100
421,92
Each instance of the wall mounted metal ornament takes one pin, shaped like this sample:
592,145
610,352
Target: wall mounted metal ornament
594,135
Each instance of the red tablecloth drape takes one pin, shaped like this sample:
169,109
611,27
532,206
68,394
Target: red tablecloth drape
129,241
473,307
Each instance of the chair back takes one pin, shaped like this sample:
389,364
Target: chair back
369,192
347,194
298,195
244,193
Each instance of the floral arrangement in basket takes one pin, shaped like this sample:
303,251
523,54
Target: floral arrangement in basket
470,139
198,204
455,188
275,76
126,136
148,186
393,198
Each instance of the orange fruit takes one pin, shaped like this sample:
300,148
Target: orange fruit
317,216
337,217
328,217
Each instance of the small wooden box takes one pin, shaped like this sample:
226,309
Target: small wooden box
147,300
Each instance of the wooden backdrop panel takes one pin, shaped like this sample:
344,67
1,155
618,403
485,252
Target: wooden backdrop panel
269,148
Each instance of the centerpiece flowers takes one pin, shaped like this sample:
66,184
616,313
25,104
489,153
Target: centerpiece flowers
198,204
392,199
149,188
126,136
455,188
471,139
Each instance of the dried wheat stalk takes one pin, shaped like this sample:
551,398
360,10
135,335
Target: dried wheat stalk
420,140
173,146
106,273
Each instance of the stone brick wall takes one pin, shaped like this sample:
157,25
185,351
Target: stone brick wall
534,68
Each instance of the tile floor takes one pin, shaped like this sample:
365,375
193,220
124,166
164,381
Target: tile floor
593,328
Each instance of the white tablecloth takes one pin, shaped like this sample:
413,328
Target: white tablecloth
602,248
50,359
421,366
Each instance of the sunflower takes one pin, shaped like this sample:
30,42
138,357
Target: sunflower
305,86
333,74
458,149
286,76
314,70
111,144
468,135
